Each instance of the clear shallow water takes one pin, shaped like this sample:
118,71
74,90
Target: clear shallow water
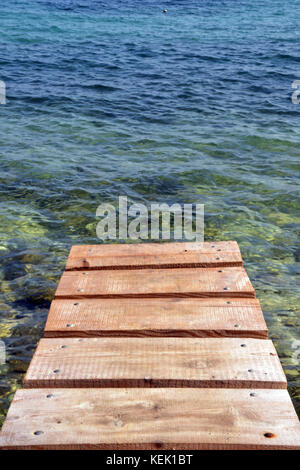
116,98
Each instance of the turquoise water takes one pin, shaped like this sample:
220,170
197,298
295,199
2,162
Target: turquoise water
116,98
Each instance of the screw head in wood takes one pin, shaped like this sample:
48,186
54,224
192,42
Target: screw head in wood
269,434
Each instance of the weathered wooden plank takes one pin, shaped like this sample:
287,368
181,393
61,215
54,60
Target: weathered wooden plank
155,362
184,282
151,419
214,317
154,255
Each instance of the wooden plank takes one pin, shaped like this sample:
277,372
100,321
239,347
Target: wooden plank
215,317
155,362
184,282
151,419
154,255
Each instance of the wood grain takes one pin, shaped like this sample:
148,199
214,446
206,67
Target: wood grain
151,419
154,330
154,255
176,317
184,282
155,362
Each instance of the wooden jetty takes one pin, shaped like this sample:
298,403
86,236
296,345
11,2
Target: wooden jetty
154,346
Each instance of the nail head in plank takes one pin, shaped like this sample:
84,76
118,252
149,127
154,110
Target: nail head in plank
216,317
184,282
155,362
154,255
151,419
